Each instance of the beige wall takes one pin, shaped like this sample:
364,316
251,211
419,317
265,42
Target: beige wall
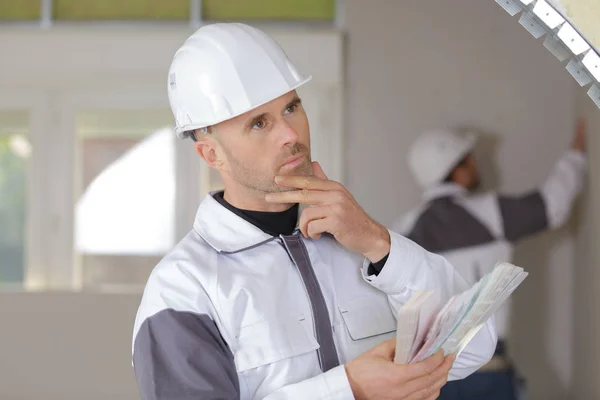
66,346
414,65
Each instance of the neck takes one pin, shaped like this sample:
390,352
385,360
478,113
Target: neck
252,200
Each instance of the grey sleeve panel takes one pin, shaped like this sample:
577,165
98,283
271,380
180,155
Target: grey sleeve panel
523,215
182,356
446,226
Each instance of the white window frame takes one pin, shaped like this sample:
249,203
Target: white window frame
34,105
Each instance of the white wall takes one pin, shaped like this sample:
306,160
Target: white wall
414,65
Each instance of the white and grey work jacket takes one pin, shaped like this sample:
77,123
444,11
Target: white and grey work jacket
475,232
234,313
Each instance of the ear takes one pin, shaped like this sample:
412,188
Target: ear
207,148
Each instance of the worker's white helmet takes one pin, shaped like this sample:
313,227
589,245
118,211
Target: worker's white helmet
434,154
224,70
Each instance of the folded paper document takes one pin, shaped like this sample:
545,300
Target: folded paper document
425,325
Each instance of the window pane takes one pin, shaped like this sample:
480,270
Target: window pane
268,9
125,216
18,10
14,152
121,10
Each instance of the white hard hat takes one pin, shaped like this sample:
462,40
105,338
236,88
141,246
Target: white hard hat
224,70
434,154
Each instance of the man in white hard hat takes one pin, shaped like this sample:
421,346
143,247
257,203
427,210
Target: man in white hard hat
476,231
257,302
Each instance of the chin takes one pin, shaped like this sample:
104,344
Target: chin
304,169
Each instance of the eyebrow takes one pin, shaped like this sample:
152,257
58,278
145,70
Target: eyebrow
294,102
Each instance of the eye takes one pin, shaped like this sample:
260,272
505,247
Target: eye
260,124
291,109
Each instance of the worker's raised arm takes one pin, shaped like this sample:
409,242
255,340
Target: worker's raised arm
550,206
566,180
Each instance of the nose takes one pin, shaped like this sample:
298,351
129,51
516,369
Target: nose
288,134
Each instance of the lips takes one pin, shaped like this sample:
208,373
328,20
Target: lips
293,161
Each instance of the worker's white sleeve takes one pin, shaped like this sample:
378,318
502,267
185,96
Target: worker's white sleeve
563,185
410,268
331,385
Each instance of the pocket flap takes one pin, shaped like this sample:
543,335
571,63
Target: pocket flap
267,342
366,317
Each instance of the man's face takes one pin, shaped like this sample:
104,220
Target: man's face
466,174
472,180
272,140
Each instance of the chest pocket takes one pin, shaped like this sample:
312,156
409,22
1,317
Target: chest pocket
269,342
368,317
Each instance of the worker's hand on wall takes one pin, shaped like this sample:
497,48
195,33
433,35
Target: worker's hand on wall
580,136
373,375
334,210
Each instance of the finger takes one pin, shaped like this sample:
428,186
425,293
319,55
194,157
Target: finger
443,379
304,196
437,387
318,171
441,372
428,386
310,214
421,393
432,381
425,367
386,349
306,182
434,396
318,226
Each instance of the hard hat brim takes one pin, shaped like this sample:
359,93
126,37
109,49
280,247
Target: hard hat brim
181,130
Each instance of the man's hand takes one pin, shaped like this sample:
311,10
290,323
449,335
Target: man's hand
373,375
333,210
579,137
